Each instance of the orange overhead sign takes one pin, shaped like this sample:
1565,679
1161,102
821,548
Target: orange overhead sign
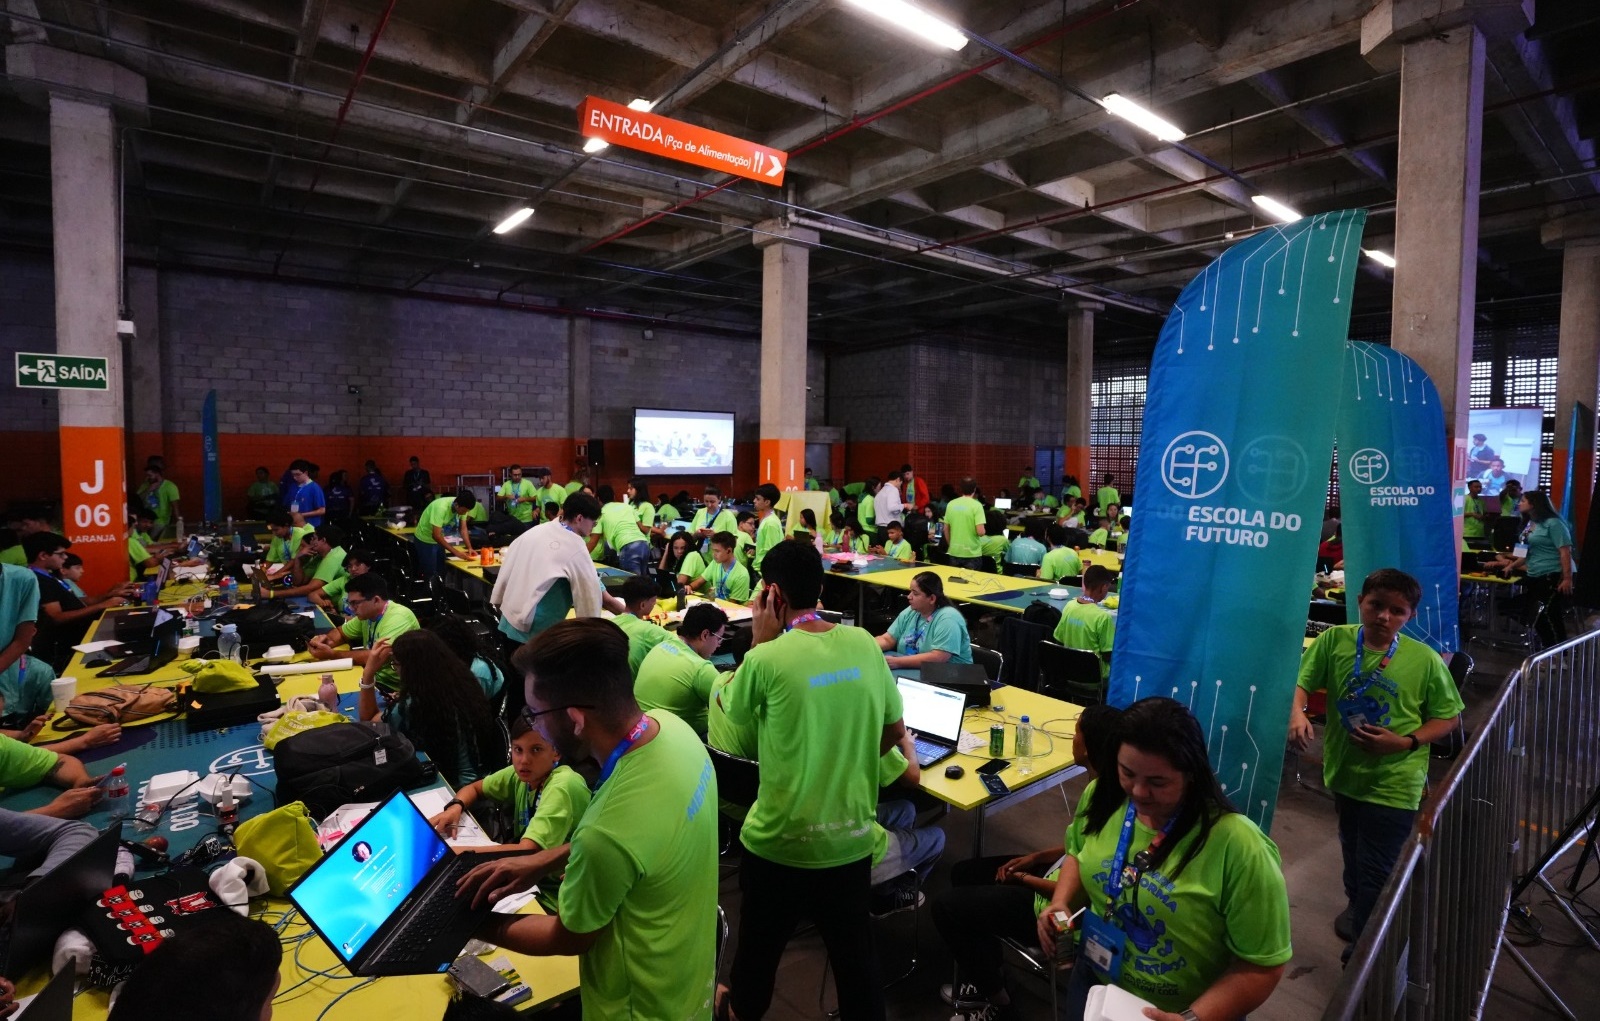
686,143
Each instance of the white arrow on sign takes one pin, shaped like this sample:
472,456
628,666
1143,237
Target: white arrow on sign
777,166
27,370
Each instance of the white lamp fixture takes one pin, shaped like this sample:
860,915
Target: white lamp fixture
594,144
642,105
1275,208
1381,258
513,221
1133,113
913,19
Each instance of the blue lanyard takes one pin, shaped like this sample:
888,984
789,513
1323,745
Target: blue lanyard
372,629
622,748
1119,863
722,582
915,641
893,549
804,618
1358,686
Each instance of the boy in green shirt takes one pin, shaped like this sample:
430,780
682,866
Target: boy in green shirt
321,562
1029,480
712,518
964,525
519,496
376,619
895,545
331,596
638,597
429,541
994,543
866,509
745,538
161,497
1389,698
1108,494
619,525
677,675
1087,625
725,578
1061,560
1472,515
769,530
262,496
284,548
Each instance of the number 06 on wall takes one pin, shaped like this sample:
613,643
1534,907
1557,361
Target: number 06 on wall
94,498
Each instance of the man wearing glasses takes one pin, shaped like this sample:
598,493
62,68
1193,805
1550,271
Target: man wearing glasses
321,563
677,675
376,619
62,615
638,905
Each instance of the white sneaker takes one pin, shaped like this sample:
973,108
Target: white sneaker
983,1012
955,997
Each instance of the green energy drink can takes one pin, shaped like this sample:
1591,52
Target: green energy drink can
997,741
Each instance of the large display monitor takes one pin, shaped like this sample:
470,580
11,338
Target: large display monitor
682,442
1504,443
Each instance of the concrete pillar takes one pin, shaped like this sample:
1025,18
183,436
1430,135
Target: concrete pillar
1578,359
786,276
147,425
580,412
1080,381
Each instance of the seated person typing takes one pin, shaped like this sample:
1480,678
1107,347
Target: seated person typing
894,543
930,630
320,563
1060,560
375,618
283,552
725,577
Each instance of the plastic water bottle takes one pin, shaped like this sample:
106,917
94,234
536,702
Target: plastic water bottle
328,694
230,591
228,643
117,793
1022,748
179,535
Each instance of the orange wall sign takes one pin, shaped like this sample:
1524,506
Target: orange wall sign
676,140
94,502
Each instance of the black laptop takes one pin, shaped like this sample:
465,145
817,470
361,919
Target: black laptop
54,1001
151,653
384,898
51,904
971,679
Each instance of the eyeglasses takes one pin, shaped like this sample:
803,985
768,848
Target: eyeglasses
531,717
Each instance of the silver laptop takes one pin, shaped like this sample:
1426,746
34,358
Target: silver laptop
934,713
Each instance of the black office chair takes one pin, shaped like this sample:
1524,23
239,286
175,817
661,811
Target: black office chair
1020,570
738,780
1019,643
1072,675
992,662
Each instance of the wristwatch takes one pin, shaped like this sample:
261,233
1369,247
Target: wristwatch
1415,744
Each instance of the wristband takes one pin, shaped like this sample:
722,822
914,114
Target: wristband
1415,744
366,687
455,801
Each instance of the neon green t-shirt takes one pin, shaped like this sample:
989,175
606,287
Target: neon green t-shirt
23,765
546,817
642,637
647,516
901,551
643,873
1071,842
1098,537
674,678
1087,626
1414,689
14,555
280,551
1106,496
946,632
552,494
526,497
137,555
334,591
364,634
962,516
866,512
440,513
769,532
1229,902
1028,482
1473,528
723,521
693,566
994,547
731,583
160,500
892,765
329,568
819,703
619,523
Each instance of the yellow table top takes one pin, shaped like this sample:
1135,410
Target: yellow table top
973,587
1110,561
1052,750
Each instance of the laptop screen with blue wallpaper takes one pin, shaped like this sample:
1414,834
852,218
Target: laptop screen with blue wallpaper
354,889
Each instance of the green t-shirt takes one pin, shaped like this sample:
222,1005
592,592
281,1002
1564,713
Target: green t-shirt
642,637
722,733
1090,627
14,555
819,703
994,546
1061,562
769,532
962,516
571,487
160,500
263,493
1545,540
1106,496
1098,537
546,817
1414,689
854,489
946,632
723,521
1229,902
137,555
1026,551
732,583
1028,482
23,765
440,513
673,677
643,873
552,494
1071,492
526,495
647,516
619,523
330,568
1473,528
892,765
743,547
693,566
901,551
364,634
334,591
1072,841
866,512
281,551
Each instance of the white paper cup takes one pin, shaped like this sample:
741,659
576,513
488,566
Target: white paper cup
62,690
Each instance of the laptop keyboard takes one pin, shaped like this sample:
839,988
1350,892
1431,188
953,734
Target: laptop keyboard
428,918
929,752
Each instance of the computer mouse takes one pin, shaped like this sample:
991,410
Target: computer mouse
954,772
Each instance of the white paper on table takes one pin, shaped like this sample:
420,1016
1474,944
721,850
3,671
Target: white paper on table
468,833
109,643
326,666
969,743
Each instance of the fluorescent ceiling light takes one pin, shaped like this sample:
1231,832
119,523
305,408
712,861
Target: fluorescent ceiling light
642,105
1275,208
513,221
1132,112
914,19
594,144
1381,258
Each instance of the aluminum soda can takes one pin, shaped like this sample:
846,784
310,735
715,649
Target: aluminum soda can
997,741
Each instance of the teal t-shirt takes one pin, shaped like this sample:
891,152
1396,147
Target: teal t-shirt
819,703
1415,688
364,634
1545,540
554,605
546,816
962,516
1026,551
674,678
1090,627
19,605
642,637
1228,902
1061,562
440,512
643,874
946,632
619,523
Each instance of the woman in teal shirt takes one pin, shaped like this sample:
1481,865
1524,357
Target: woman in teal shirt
439,706
1548,563
930,630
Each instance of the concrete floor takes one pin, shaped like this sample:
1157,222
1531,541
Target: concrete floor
1304,830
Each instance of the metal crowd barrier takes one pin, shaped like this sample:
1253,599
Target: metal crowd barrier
1520,794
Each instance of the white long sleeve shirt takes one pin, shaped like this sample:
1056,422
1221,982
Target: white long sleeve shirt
887,505
531,566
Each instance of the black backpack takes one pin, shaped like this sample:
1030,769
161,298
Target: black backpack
270,623
343,763
1041,612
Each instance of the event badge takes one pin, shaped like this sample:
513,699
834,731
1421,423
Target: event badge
1102,945
1352,713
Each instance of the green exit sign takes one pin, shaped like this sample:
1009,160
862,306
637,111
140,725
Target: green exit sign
60,372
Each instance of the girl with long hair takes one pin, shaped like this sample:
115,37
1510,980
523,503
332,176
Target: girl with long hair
439,706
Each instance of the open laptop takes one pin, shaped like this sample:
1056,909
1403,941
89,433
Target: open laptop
383,898
970,679
934,713
51,904
155,652
1002,503
54,1001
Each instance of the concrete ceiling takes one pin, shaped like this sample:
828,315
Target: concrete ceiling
954,191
